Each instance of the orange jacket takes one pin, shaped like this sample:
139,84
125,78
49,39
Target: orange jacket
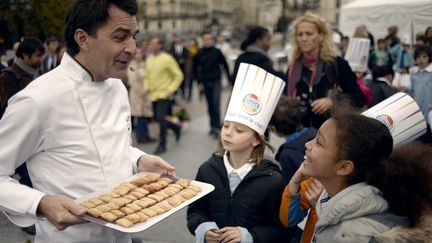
291,212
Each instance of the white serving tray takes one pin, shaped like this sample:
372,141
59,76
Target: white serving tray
205,189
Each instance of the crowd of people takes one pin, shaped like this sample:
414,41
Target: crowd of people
67,121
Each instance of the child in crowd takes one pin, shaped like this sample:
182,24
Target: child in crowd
365,194
381,84
360,75
244,205
286,122
380,56
421,84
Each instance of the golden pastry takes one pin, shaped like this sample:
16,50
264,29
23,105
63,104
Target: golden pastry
143,204
87,205
134,218
149,200
96,201
121,190
143,216
177,186
180,198
139,195
112,206
183,182
128,185
166,179
113,195
157,209
126,200
194,188
152,178
94,212
188,193
162,194
141,190
134,207
124,222
157,198
118,213
171,191
149,212
127,210
130,197
139,182
153,187
163,183
174,201
119,202
110,217
165,206
106,198
104,208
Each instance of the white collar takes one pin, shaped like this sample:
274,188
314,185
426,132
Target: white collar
74,69
428,69
242,171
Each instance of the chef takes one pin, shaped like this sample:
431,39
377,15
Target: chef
72,127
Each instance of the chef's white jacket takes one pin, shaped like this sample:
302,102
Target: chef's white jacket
74,135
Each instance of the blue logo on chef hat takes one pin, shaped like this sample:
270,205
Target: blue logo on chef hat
251,104
387,121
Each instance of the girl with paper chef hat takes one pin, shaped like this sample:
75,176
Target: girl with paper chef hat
245,203
316,70
368,190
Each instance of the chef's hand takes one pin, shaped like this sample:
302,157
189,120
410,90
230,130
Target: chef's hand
61,211
320,106
154,163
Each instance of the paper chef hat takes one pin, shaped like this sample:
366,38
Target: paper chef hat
357,54
254,97
402,116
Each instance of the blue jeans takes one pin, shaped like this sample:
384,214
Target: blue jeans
141,128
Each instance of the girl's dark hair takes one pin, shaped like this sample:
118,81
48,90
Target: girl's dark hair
258,151
405,179
90,15
423,50
253,35
287,116
29,46
363,140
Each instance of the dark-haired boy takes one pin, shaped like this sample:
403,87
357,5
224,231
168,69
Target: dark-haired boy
286,122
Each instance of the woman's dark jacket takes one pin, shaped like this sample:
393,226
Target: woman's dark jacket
254,204
345,79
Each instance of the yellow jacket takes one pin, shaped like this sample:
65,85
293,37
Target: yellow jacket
162,76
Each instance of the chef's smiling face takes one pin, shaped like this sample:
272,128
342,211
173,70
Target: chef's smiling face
113,46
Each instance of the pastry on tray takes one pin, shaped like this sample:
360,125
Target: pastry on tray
139,200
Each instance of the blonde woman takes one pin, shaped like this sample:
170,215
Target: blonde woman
316,70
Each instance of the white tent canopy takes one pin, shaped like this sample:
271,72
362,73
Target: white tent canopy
411,16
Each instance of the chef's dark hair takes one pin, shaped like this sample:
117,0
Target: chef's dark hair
90,15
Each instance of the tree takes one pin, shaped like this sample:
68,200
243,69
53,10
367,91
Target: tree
35,18
50,17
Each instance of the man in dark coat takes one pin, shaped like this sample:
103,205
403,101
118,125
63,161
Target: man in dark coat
15,78
207,70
